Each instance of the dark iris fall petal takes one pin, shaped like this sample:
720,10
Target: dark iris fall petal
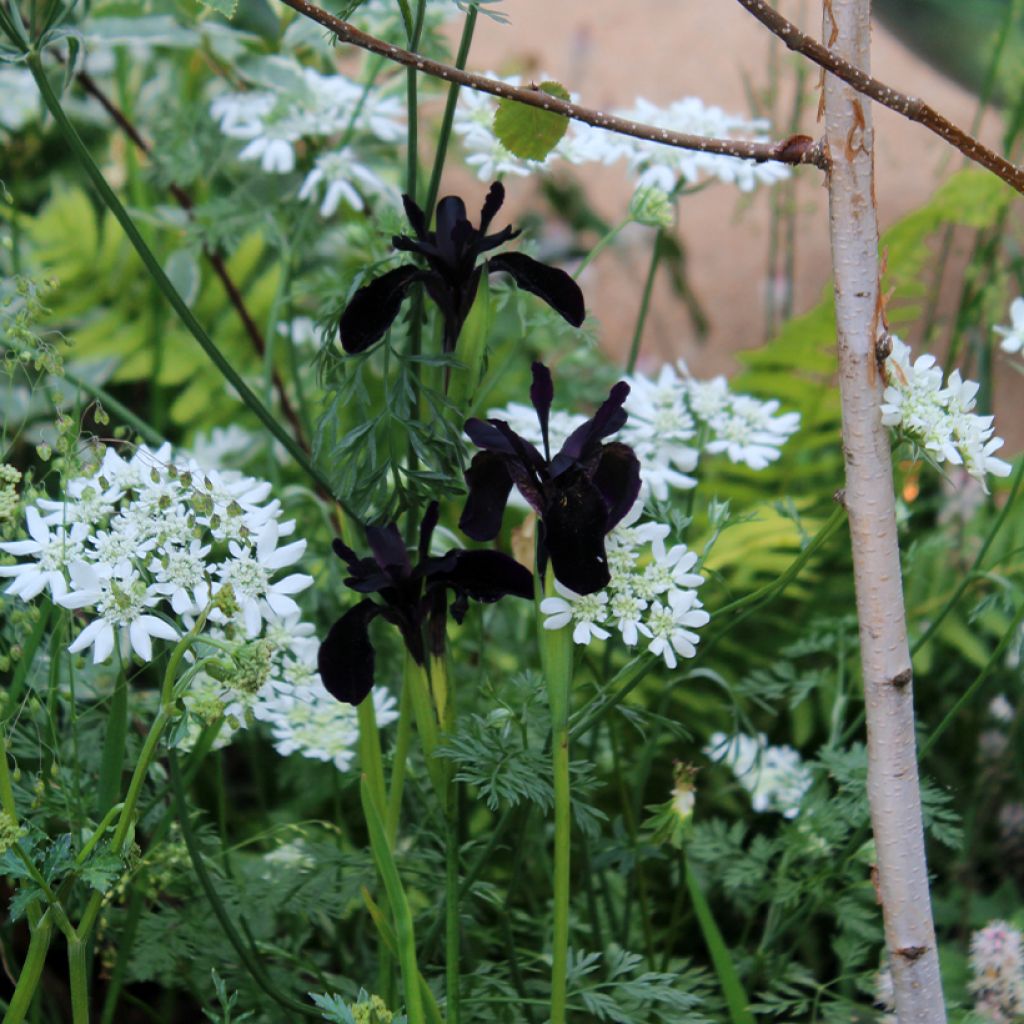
617,477
372,310
551,284
452,253
574,527
345,659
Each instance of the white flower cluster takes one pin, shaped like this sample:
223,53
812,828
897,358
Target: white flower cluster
998,969
652,594
142,546
1013,336
649,163
673,418
938,418
271,123
775,777
146,543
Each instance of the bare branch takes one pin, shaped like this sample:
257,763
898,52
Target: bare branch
909,106
184,200
796,150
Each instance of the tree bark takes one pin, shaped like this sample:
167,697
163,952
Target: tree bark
893,789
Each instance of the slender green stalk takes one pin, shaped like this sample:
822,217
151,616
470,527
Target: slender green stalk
79,978
248,956
404,935
403,735
81,152
556,659
601,245
370,757
114,746
645,302
445,132
732,988
412,103
7,804
972,573
452,961
31,971
21,670
995,658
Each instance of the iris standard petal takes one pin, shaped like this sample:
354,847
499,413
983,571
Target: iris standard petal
617,477
345,659
542,394
574,529
492,204
551,284
389,550
373,308
489,485
450,211
417,218
609,418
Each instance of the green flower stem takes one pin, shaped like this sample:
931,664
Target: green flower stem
249,958
31,971
444,702
645,301
556,660
994,660
623,683
81,152
445,132
732,988
973,573
404,936
114,746
370,757
413,33
417,678
7,804
601,245
403,735
79,977
25,661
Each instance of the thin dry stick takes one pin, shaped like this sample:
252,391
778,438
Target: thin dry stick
909,106
799,149
893,789
215,260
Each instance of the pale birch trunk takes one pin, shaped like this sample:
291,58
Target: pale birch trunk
885,658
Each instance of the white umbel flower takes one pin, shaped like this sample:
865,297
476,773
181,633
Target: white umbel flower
1013,336
121,604
584,611
53,553
343,177
775,777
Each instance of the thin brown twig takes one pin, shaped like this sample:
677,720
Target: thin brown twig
799,149
909,106
214,258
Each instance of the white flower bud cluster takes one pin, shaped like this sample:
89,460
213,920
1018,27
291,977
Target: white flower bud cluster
998,972
939,419
775,777
652,594
316,106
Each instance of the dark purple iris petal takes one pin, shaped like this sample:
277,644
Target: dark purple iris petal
373,308
489,484
416,217
617,477
584,440
345,658
427,528
488,576
389,550
542,394
551,284
452,251
574,530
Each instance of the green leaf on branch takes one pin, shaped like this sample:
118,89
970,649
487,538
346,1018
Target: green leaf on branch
225,7
531,132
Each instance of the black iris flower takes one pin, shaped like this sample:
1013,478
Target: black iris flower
452,275
579,495
413,598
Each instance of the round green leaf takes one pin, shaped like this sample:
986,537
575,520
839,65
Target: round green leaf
531,132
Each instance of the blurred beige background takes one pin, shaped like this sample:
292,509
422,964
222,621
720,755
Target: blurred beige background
610,53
